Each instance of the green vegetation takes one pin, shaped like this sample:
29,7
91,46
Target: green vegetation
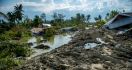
49,32
100,22
9,53
112,14
15,31
13,38
37,21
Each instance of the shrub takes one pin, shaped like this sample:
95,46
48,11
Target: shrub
100,23
15,32
10,51
7,63
49,32
16,50
81,26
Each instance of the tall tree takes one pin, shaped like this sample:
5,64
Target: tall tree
110,15
3,15
43,16
11,17
18,12
55,16
113,13
60,17
99,18
123,11
107,16
37,21
88,17
78,18
83,18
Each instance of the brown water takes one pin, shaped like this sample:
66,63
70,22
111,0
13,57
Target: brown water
54,42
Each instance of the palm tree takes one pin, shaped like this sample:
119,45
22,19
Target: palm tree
107,16
43,16
3,15
88,17
15,15
55,16
37,21
83,18
99,18
78,18
11,17
60,17
18,13
113,13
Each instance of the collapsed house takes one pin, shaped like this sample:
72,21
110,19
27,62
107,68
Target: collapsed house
37,31
120,22
40,29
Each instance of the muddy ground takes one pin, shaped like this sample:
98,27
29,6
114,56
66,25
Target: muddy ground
114,54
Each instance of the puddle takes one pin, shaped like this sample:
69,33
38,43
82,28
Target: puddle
33,40
54,42
58,41
90,45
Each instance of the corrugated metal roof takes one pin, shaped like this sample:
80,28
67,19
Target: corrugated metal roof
129,14
121,22
115,23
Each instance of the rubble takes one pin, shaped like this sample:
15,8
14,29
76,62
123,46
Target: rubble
115,55
42,46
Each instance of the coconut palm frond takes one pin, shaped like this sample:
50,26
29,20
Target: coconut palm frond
3,15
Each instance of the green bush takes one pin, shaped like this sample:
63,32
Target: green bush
100,23
49,32
14,50
10,51
81,26
7,63
15,32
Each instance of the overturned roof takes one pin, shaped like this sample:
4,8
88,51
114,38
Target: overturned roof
129,14
49,25
119,20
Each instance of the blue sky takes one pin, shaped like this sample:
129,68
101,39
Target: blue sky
67,7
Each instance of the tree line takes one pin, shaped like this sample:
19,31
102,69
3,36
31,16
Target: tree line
17,17
15,29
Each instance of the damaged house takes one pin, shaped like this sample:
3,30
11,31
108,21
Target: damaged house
121,21
40,29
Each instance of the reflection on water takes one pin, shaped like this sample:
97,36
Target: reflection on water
51,39
32,40
58,40
53,42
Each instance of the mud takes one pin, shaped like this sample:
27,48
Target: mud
115,53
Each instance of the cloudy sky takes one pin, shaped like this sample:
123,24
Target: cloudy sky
67,7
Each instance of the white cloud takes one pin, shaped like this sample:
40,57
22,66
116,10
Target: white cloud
43,0
52,6
49,6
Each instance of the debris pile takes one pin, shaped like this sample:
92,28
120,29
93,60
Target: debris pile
112,53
